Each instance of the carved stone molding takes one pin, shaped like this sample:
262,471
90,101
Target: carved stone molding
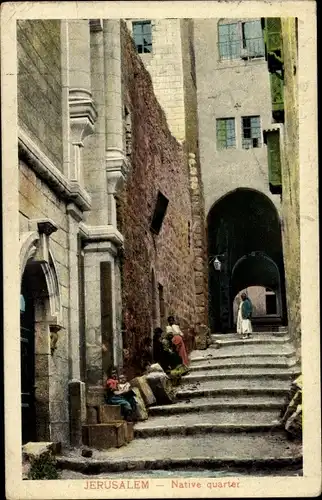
102,233
46,170
117,166
45,228
82,113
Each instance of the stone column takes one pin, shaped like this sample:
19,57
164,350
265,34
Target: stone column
116,163
74,217
81,107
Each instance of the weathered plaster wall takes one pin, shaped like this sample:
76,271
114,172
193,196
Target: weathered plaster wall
229,89
157,163
290,181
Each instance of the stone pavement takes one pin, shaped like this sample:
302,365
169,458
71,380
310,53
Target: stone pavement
226,415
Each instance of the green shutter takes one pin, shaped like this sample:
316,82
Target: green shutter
272,139
272,33
277,95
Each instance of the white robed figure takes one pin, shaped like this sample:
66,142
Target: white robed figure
244,324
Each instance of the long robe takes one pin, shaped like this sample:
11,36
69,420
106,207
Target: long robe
244,324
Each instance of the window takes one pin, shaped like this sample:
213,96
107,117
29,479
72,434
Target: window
159,213
229,41
142,36
252,39
226,136
241,40
251,132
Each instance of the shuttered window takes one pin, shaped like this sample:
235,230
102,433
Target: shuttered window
272,139
272,32
277,96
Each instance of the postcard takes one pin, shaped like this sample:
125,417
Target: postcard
161,257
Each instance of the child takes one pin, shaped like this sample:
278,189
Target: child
124,391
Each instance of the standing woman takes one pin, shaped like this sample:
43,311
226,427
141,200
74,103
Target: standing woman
244,324
177,340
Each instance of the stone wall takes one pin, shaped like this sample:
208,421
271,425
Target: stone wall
40,85
153,261
38,201
191,145
166,69
290,181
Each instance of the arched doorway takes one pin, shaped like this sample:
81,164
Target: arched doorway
244,228
40,321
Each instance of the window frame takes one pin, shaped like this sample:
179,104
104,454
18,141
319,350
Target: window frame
250,128
141,23
242,41
226,120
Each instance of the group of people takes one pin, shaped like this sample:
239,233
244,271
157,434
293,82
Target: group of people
168,347
168,350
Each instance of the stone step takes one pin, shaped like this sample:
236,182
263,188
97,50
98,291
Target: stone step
211,451
216,421
241,373
204,404
243,350
253,361
253,340
238,387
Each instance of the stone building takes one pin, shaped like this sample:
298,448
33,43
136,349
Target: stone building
243,215
282,138
108,211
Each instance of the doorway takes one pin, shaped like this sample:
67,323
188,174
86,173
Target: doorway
27,359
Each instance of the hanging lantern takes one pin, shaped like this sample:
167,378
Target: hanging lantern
217,264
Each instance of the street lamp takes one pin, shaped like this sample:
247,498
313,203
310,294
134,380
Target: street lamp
216,262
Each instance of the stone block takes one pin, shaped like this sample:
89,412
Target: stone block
109,413
105,436
161,387
77,410
36,450
87,453
95,396
145,390
141,412
155,367
129,432
92,417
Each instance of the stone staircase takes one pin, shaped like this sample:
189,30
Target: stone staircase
225,415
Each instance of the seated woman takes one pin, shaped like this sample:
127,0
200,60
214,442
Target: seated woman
171,355
115,395
177,340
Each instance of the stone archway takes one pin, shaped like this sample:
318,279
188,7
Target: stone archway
257,269
244,227
39,287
